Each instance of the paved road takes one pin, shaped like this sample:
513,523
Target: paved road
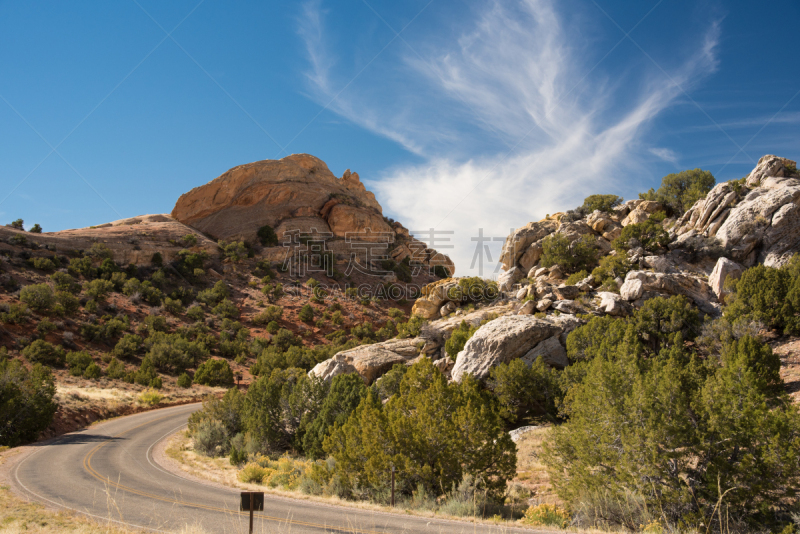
108,472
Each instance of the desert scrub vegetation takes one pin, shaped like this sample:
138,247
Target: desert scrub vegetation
39,297
732,435
768,295
410,328
268,315
650,235
576,277
458,338
267,236
41,351
605,203
28,405
150,397
609,269
234,251
472,290
527,393
214,372
337,425
678,192
571,257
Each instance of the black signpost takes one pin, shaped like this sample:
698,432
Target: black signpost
252,501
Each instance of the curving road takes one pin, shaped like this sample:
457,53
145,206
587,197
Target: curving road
108,472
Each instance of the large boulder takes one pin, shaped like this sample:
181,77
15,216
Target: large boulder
550,351
298,194
614,304
642,212
500,341
632,289
574,230
568,306
565,292
366,223
331,368
531,256
724,269
369,361
600,221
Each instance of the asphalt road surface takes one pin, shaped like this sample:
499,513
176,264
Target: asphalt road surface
108,472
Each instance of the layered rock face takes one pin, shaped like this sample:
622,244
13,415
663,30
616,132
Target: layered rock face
755,222
297,193
274,192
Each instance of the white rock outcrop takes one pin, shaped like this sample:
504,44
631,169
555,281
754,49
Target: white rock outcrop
690,286
614,304
500,341
723,270
632,289
755,223
369,361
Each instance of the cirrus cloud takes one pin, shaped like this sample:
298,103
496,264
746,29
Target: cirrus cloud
510,119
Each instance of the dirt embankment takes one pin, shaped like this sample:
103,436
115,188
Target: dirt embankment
82,402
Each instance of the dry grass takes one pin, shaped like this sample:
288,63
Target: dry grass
77,397
17,516
789,352
531,473
220,471
81,404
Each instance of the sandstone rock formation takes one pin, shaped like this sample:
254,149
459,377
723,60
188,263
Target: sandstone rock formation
756,221
298,194
641,212
432,298
517,244
269,192
372,361
690,286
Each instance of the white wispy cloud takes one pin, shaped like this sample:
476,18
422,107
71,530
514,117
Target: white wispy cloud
511,120
666,154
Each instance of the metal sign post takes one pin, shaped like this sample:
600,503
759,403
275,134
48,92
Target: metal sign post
392,485
252,501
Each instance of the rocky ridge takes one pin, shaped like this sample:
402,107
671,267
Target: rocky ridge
736,225
297,196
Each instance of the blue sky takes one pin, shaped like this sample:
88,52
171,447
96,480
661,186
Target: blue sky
458,115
